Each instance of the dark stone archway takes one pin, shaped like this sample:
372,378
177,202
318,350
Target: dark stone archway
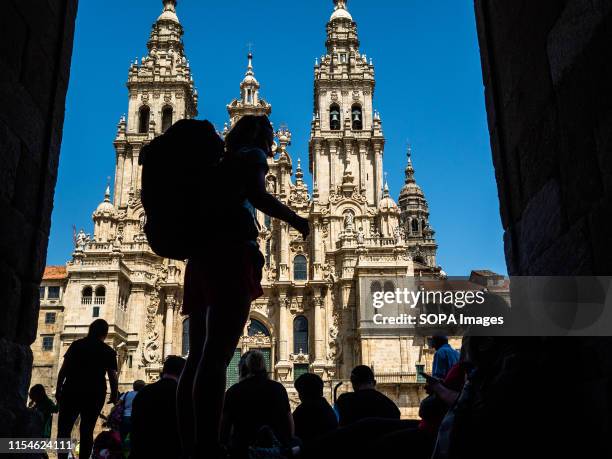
547,70
35,53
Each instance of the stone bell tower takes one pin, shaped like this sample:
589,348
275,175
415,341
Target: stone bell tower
115,275
346,140
161,91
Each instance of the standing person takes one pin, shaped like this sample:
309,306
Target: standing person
365,401
81,384
44,405
221,283
154,428
444,358
126,400
314,417
253,403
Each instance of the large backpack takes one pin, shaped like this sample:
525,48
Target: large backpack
179,183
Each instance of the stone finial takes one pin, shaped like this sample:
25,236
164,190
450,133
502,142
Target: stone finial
409,168
107,191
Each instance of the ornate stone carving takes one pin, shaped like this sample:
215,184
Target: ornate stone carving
335,347
256,340
151,349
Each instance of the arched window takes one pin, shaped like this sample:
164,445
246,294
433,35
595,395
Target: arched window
300,268
334,117
389,286
375,287
100,295
166,118
300,335
257,328
144,114
356,117
185,341
419,259
86,295
415,226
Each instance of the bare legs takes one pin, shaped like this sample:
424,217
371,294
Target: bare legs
214,333
224,326
184,395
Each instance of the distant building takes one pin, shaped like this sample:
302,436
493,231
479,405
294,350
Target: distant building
46,348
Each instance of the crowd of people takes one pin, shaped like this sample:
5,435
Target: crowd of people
256,419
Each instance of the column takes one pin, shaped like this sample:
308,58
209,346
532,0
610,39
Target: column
379,174
283,366
362,174
284,252
319,333
169,329
316,244
333,151
282,330
119,177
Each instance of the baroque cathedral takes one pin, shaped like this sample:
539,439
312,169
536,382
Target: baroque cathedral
311,317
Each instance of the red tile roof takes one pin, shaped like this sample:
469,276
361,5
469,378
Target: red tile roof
55,272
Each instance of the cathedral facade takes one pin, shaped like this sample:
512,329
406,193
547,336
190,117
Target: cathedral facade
311,317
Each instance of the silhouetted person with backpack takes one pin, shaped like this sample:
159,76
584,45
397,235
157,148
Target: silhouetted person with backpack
81,384
224,277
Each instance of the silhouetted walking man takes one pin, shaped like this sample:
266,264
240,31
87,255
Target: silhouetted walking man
154,427
81,384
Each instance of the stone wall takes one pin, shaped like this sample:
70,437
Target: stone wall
547,73
35,53
547,70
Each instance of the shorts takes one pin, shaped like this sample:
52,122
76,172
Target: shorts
209,277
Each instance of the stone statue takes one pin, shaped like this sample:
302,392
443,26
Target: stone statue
399,234
142,221
360,236
81,240
349,218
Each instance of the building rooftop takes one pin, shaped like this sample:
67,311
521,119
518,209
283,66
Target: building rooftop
55,272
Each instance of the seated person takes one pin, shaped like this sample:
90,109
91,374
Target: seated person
314,416
44,406
365,401
255,402
154,431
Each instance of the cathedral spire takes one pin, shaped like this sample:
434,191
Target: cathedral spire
250,65
409,168
249,102
249,80
107,192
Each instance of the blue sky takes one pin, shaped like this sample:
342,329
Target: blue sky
429,92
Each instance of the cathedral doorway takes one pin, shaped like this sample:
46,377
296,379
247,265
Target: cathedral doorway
256,336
